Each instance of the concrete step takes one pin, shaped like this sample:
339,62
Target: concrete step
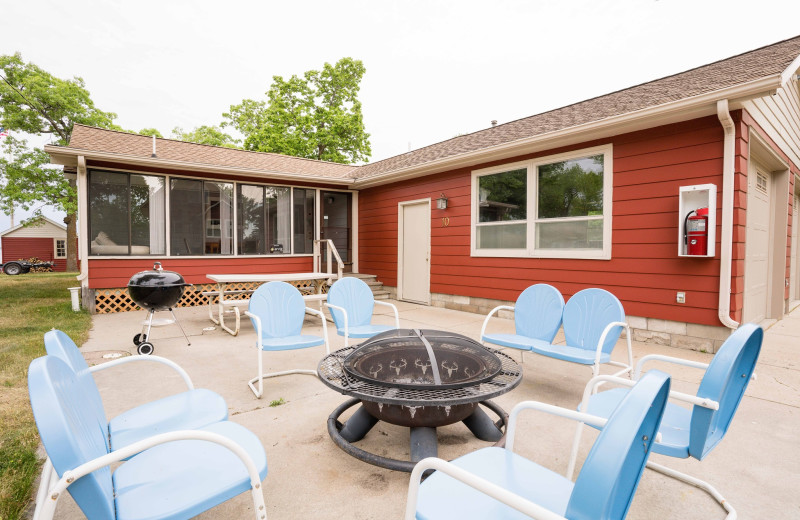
372,281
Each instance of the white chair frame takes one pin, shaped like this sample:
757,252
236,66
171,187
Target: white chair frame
344,313
48,495
261,375
594,383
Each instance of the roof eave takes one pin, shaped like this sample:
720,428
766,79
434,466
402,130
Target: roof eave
69,157
684,109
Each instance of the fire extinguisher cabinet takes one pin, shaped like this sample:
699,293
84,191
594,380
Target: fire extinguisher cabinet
697,221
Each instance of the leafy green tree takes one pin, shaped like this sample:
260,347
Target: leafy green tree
204,134
33,101
317,116
150,132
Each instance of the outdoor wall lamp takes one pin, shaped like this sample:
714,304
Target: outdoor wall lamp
441,202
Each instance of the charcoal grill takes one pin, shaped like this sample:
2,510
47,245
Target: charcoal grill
394,377
155,290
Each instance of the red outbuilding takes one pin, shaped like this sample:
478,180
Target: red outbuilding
46,240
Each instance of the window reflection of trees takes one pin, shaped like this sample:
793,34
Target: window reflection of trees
503,196
571,188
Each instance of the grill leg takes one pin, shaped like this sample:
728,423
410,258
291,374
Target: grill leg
148,326
482,426
358,425
181,326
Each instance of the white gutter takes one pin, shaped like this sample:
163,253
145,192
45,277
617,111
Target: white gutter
726,239
83,221
193,167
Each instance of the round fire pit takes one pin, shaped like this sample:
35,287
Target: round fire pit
420,379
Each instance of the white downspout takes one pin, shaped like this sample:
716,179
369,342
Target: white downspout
726,240
83,220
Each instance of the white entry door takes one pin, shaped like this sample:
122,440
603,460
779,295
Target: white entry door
794,276
414,245
757,246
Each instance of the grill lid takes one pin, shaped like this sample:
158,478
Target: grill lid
412,358
157,277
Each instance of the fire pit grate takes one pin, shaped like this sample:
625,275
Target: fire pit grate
332,372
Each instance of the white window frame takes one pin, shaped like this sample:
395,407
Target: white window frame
55,247
530,250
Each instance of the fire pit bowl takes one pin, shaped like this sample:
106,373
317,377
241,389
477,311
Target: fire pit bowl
392,377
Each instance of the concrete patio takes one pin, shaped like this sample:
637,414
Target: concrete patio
755,467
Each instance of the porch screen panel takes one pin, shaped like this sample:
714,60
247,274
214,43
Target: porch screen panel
278,202
148,220
217,218
108,213
304,220
186,217
251,220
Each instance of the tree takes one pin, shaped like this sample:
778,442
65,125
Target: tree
150,132
204,134
34,101
317,116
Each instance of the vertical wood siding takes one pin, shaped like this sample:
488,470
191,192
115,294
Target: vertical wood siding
644,271
110,273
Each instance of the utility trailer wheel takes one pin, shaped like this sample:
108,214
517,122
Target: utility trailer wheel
12,268
145,349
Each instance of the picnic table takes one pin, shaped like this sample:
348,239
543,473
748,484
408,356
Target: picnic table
318,280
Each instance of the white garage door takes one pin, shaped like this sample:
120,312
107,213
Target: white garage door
757,246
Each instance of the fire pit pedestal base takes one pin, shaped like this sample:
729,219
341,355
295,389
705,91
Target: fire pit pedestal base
424,441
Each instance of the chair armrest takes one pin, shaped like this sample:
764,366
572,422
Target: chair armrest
592,420
156,359
593,383
340,309
72,475
605,333
667,359
484,486
394,308
257,326
324,327
491,312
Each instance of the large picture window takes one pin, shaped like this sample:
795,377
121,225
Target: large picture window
555,206
263,217
127,214
201,217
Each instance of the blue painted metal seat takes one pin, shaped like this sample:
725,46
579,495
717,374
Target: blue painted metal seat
537,318
497,483
187,410
173,475
277,311
696,431
593,320
352,303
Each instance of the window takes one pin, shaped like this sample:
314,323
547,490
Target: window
304,220
556,206
61,248
126,214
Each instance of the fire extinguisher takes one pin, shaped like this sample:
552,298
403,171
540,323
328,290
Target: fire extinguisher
695,232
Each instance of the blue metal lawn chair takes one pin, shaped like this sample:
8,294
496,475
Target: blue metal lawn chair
277,310
537,318
497,483
693,432
174,475
351,303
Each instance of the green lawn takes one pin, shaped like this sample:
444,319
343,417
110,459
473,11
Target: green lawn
30,305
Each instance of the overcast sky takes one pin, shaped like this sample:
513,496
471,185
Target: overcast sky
434,69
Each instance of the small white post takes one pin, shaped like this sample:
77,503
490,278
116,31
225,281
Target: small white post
75,293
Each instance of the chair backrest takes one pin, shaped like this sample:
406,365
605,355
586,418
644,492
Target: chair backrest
537,313
59,345
356,297
725,381
281,308
610,474
70,433
587,314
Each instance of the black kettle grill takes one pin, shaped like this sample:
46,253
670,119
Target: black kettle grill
155,290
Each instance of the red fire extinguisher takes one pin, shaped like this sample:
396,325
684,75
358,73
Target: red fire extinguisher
695,232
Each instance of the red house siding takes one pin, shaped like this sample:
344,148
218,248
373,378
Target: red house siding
107,273
15,248
644,271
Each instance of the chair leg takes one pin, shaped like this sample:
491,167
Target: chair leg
48,472
262,376
705,486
